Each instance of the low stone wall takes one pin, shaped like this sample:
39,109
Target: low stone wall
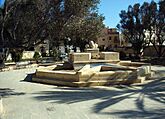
112,56
94,52
14,67
143,71
80,57
148,51
132,64
151,52
60,75
87,74
28,54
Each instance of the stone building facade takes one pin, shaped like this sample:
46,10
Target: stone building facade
109,39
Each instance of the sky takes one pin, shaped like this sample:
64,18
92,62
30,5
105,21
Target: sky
111,9
1,2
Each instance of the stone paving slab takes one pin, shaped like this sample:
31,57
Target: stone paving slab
14,67
27,100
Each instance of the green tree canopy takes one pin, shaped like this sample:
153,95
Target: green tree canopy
26,23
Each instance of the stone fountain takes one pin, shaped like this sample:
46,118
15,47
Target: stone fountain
93,68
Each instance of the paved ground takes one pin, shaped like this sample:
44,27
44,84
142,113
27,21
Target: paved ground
26,100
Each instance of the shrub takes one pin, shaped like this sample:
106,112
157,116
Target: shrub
55,53
43,54
37,56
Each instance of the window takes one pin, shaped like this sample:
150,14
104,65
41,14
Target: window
103,39
110,38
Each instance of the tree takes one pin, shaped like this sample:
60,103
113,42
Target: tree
154,25
75,19
160,30
149,19
132,27
26,23
20,27
139,21
84,30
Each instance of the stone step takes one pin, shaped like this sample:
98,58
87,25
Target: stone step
86,83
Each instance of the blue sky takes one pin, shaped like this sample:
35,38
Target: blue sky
1,2
111,9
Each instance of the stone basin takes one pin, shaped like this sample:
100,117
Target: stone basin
99,73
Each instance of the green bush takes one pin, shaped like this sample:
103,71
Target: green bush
43,54
54,53
37,56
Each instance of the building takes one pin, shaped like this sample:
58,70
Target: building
109,39
124,42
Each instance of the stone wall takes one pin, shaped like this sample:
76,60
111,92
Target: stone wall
94,52
112,56
150,51
80,57
28,54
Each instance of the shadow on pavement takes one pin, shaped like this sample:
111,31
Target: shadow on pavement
139,114
28,78
6,92
153,91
